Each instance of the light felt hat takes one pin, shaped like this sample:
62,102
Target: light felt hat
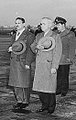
47,42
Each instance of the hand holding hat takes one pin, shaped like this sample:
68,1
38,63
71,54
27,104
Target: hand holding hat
46,43
19,47
40,47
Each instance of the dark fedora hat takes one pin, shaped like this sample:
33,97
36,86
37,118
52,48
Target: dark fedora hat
18,47
60,20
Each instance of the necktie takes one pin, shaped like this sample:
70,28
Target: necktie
17,35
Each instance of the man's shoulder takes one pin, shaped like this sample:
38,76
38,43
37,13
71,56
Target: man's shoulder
71,34
40,34
55,34
67,33
27,32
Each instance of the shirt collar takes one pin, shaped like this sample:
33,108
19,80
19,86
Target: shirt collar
20,31
46,32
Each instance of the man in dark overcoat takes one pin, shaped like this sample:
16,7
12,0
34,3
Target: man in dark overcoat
68,53
20,65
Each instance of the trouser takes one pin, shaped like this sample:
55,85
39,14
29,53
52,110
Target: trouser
22,95
48,101
63,79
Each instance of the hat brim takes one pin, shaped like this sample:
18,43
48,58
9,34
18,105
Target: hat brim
23,47
52,46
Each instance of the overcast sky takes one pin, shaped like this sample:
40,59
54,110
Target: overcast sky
34,10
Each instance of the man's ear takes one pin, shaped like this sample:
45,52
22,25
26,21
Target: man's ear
24,24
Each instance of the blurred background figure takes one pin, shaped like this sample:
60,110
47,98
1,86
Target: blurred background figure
35,29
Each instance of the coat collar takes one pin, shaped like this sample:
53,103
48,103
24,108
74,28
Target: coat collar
48,34
40,35
64,33
24,33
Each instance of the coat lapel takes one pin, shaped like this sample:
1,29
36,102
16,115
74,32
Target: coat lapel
49,33
39,36
22,35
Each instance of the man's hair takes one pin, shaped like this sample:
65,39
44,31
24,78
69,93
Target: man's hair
47,18
20,18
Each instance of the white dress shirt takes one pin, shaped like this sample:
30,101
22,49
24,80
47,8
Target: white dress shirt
19,33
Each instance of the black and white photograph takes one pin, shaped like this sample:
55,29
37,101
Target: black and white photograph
37,60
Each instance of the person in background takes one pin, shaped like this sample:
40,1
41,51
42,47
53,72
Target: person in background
20,63
48,49
38,30
68,52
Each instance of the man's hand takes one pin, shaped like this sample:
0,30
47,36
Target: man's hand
10,49
40,47
53,71
27,67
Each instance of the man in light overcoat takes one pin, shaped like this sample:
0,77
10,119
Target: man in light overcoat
48,48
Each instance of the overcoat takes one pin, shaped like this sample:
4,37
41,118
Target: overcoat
68,54
19,76
44,81
68,47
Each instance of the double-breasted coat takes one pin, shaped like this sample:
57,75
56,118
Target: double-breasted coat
19,76
44,81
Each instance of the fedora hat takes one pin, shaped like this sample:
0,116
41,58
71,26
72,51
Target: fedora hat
18,47
48,43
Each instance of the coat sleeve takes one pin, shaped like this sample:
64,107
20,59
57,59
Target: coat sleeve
11,42
30,57
72,45
34,45
57,52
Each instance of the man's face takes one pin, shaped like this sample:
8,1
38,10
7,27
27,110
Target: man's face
19,25
45,25
60,26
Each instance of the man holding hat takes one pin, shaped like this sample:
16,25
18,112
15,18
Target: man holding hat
20,66
68,52
48,48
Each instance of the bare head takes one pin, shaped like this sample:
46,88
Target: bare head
46,24
19,23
